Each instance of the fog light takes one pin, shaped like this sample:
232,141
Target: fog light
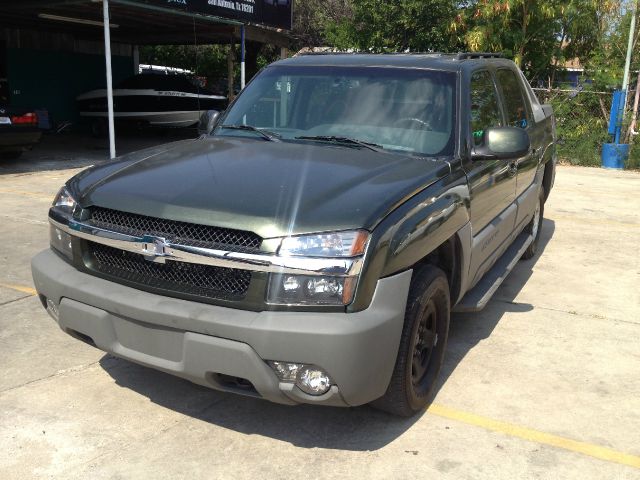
313,380
308,378
52,308
286,372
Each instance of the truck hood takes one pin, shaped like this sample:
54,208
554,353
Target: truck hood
270,188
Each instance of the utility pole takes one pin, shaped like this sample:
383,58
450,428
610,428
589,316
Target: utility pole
625,82
627,63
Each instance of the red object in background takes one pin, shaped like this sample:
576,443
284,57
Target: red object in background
26,119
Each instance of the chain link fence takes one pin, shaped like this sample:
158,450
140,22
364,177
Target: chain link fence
582,119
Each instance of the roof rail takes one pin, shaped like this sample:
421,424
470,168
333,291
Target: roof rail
473,55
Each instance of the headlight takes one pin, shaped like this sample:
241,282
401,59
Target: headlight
333,244
64,202
324,289
310,290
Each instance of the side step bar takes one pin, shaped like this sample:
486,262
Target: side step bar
478,297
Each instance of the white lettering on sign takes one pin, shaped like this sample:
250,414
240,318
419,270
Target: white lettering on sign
223,4
244,6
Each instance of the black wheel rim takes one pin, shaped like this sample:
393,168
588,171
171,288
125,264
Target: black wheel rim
425,341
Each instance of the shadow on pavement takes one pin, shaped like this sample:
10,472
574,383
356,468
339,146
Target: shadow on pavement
469,329
76,150
358,429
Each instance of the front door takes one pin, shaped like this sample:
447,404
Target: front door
492,183
518,115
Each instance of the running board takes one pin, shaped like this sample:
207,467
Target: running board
478,297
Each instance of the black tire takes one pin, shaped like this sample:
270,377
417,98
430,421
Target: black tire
535,226
422,344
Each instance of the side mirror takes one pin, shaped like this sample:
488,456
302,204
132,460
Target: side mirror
208,121
502,143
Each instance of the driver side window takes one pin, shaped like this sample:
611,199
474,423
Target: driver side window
485,109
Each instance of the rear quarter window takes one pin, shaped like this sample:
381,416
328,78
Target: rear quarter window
515,108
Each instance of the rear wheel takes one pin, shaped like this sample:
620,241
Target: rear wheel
422,345
535,227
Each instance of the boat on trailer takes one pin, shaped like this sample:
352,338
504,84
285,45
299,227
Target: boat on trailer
154,100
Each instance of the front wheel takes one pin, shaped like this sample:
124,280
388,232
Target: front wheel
422,344
535,227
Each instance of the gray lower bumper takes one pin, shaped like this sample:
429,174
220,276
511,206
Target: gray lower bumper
200,342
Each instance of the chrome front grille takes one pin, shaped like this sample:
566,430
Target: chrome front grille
186,278
203,236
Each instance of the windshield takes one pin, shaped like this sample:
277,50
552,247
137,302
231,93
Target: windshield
399,110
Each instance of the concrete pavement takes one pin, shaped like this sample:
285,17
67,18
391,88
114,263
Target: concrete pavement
544,383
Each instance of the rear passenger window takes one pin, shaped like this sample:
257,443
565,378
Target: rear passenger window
485,110
513,99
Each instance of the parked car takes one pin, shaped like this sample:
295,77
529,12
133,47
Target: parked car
312,247
18,131
158,100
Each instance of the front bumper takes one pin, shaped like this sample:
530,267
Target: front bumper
208,344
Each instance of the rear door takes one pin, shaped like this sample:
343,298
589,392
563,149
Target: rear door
492,183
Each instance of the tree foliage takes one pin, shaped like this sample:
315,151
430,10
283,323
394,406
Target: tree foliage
313,18
204,60
537,34
605,63
395,26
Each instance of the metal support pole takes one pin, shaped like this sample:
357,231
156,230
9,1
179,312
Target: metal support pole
107,56
627,63
230,69
242,59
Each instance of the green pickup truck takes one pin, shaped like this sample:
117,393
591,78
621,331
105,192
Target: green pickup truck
310,247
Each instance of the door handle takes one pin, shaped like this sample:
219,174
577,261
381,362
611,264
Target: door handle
513,168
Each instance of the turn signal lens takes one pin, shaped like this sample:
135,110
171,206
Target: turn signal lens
64,202
60,241
286,372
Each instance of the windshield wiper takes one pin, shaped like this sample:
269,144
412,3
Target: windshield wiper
272,137
344,140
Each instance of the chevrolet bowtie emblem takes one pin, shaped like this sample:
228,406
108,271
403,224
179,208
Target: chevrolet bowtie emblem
154,249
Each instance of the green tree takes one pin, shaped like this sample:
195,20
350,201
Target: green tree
204,60
396,26
312,18
538,34
606,60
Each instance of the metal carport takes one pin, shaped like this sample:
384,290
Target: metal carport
153,22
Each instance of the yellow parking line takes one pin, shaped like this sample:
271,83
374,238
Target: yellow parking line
596,451
19,288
